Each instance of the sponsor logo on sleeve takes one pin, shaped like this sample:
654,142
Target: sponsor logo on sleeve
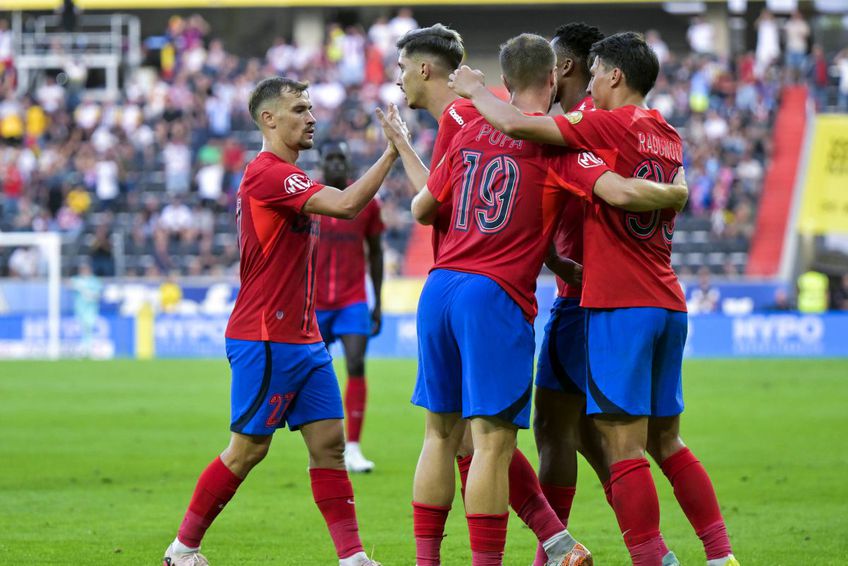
455,115
574,117
587,160
297,182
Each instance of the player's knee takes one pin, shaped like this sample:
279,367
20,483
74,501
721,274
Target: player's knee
662,444
328,454
356,367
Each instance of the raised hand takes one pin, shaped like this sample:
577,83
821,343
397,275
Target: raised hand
394,128
465,80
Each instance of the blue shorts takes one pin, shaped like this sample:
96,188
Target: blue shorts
352,319
275,384
635,360
475,349
562,359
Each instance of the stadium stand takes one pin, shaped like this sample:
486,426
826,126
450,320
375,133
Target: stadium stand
144,183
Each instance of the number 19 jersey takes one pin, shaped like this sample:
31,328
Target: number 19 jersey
627,256
506,198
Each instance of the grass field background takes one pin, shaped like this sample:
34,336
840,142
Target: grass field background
98,461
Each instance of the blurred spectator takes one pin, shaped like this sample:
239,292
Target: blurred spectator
5,45
102,257
842,68
403,22
705,298
797,33
818,76
652,38
701,36
781,301
25,263
812,292
768,41
170,293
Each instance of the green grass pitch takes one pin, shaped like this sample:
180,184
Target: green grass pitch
98,461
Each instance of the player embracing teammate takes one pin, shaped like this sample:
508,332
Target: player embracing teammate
636,325
475,314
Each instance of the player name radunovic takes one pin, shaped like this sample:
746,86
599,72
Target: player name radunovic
664,147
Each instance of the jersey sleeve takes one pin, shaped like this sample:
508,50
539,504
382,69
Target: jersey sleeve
286,186
374,226
589,130
439,182
576,172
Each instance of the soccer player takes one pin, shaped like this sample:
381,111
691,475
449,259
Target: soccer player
281,370
634,378
426,57
341,305
560,424
475,314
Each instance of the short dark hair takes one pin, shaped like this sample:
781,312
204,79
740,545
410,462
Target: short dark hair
335,148
437,41
271,88
629,52
574,40
527,60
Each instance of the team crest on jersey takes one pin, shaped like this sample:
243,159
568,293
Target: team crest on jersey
574,117
297,182
587,160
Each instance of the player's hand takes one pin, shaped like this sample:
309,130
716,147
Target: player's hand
680,181
465,80
393,127
575,278
390,134
376,320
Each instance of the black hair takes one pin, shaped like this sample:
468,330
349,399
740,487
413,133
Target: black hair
574,40
271,88
437,41
629,52
527,60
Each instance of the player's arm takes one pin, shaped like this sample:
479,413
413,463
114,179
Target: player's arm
505,117
330,201
566,269
640,195
374,244
397,133
424,206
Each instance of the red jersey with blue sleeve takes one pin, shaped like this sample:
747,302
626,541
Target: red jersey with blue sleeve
506,198
568,237
628,255
341,257
276,301
457,114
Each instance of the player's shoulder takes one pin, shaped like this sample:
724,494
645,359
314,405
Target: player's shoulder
266,168
656,119
458,114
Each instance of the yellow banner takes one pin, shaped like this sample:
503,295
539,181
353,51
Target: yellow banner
198,4
825,207
31,4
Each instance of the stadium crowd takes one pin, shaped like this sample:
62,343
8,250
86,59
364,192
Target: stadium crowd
155,173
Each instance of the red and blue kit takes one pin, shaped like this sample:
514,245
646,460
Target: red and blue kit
341,306
628,280
476,310
273,322
458,113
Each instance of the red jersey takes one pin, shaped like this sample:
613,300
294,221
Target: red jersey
506,196
568,237
628,255
276,301
457,114
341,257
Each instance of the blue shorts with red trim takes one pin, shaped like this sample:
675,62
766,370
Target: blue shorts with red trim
274,384
475,349
562,359
352,319
635,360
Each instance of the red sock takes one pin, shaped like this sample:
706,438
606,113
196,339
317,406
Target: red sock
463,464
648,553
333,494
429,526
608,492
354,402
488,538
526,497
634,499
215,487
694,491
560,499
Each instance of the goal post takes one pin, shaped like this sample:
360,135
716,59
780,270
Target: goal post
49,245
